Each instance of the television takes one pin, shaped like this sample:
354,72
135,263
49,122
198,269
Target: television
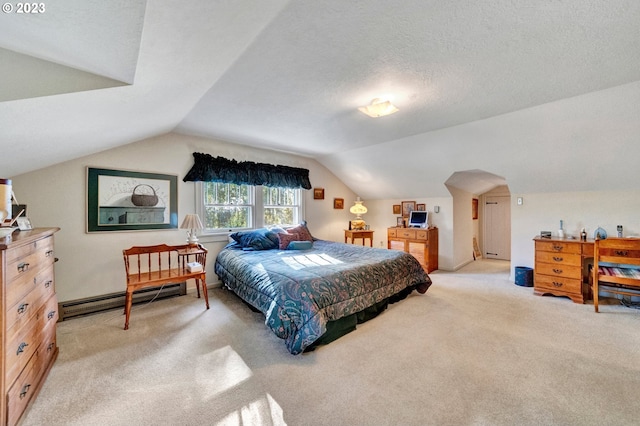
418,219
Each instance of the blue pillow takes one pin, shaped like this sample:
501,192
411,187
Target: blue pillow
300,245
259,239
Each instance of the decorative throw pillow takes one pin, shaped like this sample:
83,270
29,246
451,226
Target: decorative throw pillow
259,239
302,231
285,238
300,245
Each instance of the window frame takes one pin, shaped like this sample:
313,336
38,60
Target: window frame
257,209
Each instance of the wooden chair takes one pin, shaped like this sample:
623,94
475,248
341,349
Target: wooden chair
621,272
153,266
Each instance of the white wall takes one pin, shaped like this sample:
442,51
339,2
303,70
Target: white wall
543,212
91,263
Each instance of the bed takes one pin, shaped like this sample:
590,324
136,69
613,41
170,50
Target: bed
313,291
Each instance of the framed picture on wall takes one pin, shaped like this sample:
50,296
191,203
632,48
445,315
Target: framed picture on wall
408,207
123,200
318,193
421,207
397,209
338,203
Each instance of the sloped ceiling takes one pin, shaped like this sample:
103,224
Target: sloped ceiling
289,76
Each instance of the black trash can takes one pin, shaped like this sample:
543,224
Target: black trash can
524,276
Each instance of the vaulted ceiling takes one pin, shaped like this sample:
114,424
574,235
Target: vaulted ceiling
84,76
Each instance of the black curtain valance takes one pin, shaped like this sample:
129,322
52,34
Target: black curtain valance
207,168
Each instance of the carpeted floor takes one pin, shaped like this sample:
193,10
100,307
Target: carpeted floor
474,350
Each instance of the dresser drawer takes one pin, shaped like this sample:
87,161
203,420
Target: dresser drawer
422,235
558,247
23,311
391,232
24,268
558,284
37,277
406,233
24,341
570,259
557,270
25,386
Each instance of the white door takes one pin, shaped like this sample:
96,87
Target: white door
497,227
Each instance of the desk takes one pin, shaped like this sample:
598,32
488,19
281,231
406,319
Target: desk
348,233
562,267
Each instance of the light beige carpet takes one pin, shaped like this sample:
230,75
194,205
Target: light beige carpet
474,350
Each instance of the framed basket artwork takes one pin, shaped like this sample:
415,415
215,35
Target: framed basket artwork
122,200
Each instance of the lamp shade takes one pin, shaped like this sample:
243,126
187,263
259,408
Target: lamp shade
192,223
378,108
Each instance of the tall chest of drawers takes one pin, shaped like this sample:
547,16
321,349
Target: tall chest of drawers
560,267
420,243
29,315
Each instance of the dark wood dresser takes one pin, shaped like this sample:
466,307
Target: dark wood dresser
29,316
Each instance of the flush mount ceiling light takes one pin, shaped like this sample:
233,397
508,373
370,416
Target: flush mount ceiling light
378,108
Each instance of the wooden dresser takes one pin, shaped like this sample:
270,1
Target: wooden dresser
29,316
421,243
560,267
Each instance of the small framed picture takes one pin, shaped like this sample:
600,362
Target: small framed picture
408,207
421,207
400,222
338,203
24,224
318,193
397,209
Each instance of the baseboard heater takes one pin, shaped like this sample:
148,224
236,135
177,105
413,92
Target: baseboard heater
92,305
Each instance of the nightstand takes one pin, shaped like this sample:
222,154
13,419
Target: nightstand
353,234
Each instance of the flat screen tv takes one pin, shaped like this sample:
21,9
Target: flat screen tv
418,219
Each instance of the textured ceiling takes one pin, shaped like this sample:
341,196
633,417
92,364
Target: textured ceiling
289,75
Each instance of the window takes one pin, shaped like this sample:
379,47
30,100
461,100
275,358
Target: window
226,206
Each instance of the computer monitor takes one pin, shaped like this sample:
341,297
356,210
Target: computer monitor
418,219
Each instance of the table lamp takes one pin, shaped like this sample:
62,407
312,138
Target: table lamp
192,223
358,209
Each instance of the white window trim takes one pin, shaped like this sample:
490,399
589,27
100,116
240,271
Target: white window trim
257,211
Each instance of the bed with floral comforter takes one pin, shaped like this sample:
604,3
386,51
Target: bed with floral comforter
301,292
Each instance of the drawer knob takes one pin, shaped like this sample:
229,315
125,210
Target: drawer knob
557,248
558,259
23,267
622,253
557,271
557,284
48,253
51,314
24,390
48,284
22,308
21,348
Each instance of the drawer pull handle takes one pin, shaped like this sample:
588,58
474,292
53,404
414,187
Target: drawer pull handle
557,271
22,308
557,284
51,314
21,348
24,391
558,259
48,253
23,267
50,346
48,284
622,253
557,248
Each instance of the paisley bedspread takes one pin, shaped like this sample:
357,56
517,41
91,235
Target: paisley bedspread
299,291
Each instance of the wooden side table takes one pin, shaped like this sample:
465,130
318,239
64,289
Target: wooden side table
348,233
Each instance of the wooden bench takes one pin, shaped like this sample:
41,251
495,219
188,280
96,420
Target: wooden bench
621,273
153,266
